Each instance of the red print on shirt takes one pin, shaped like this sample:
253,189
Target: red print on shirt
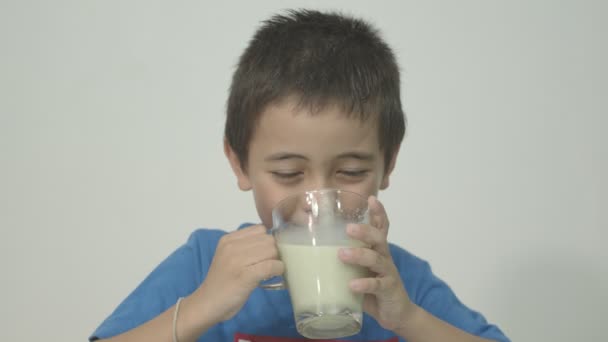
238,337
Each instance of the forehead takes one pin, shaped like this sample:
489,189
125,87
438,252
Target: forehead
286,127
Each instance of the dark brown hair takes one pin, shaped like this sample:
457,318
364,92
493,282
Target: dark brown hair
320,58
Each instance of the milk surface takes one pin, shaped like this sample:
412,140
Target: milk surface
318,280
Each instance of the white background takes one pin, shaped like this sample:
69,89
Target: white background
110,152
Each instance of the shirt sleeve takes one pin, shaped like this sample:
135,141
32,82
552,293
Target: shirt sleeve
176,276
435,296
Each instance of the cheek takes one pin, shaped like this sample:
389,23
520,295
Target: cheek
266,198
366,188
264,208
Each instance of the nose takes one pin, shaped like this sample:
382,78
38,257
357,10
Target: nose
311,204
320,183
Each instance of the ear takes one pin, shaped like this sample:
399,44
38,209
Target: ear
242,178
391,166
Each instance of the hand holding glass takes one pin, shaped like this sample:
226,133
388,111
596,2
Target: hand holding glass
309,229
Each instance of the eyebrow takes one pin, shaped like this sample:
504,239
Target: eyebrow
284,156
348,155
356,155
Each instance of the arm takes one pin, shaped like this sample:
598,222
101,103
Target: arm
424,327
241,261
387,300
191,324
160,329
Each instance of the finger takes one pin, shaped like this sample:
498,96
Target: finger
370,236
378,217
256,229
253,249
370,285
365,257
267,269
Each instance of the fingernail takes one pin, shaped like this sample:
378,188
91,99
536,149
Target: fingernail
353,228
346,252
356,285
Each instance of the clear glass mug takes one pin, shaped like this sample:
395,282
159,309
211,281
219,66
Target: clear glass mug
309,229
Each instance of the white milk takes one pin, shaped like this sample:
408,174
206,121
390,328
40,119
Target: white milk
318,280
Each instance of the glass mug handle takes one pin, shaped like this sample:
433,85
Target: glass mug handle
274,283
278,284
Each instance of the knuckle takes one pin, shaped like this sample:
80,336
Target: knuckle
274,252
269,246
359,254
269,239
378,260
374,259
265,268
390,281
271,268
370,232
377,284
259,229
373,238
362,229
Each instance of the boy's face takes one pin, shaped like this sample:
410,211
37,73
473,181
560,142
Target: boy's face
292,151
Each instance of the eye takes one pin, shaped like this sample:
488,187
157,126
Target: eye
353,173
286,175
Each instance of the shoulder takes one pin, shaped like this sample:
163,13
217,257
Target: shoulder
202,244
176,276
401,255
205,237
421,283
209,237
434,295
415,272
409,263
205,240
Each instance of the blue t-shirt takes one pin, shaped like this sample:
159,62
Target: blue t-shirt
269,313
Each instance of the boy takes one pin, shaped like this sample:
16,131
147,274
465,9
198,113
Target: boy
314,103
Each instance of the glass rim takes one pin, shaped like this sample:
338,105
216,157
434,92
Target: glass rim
318,191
